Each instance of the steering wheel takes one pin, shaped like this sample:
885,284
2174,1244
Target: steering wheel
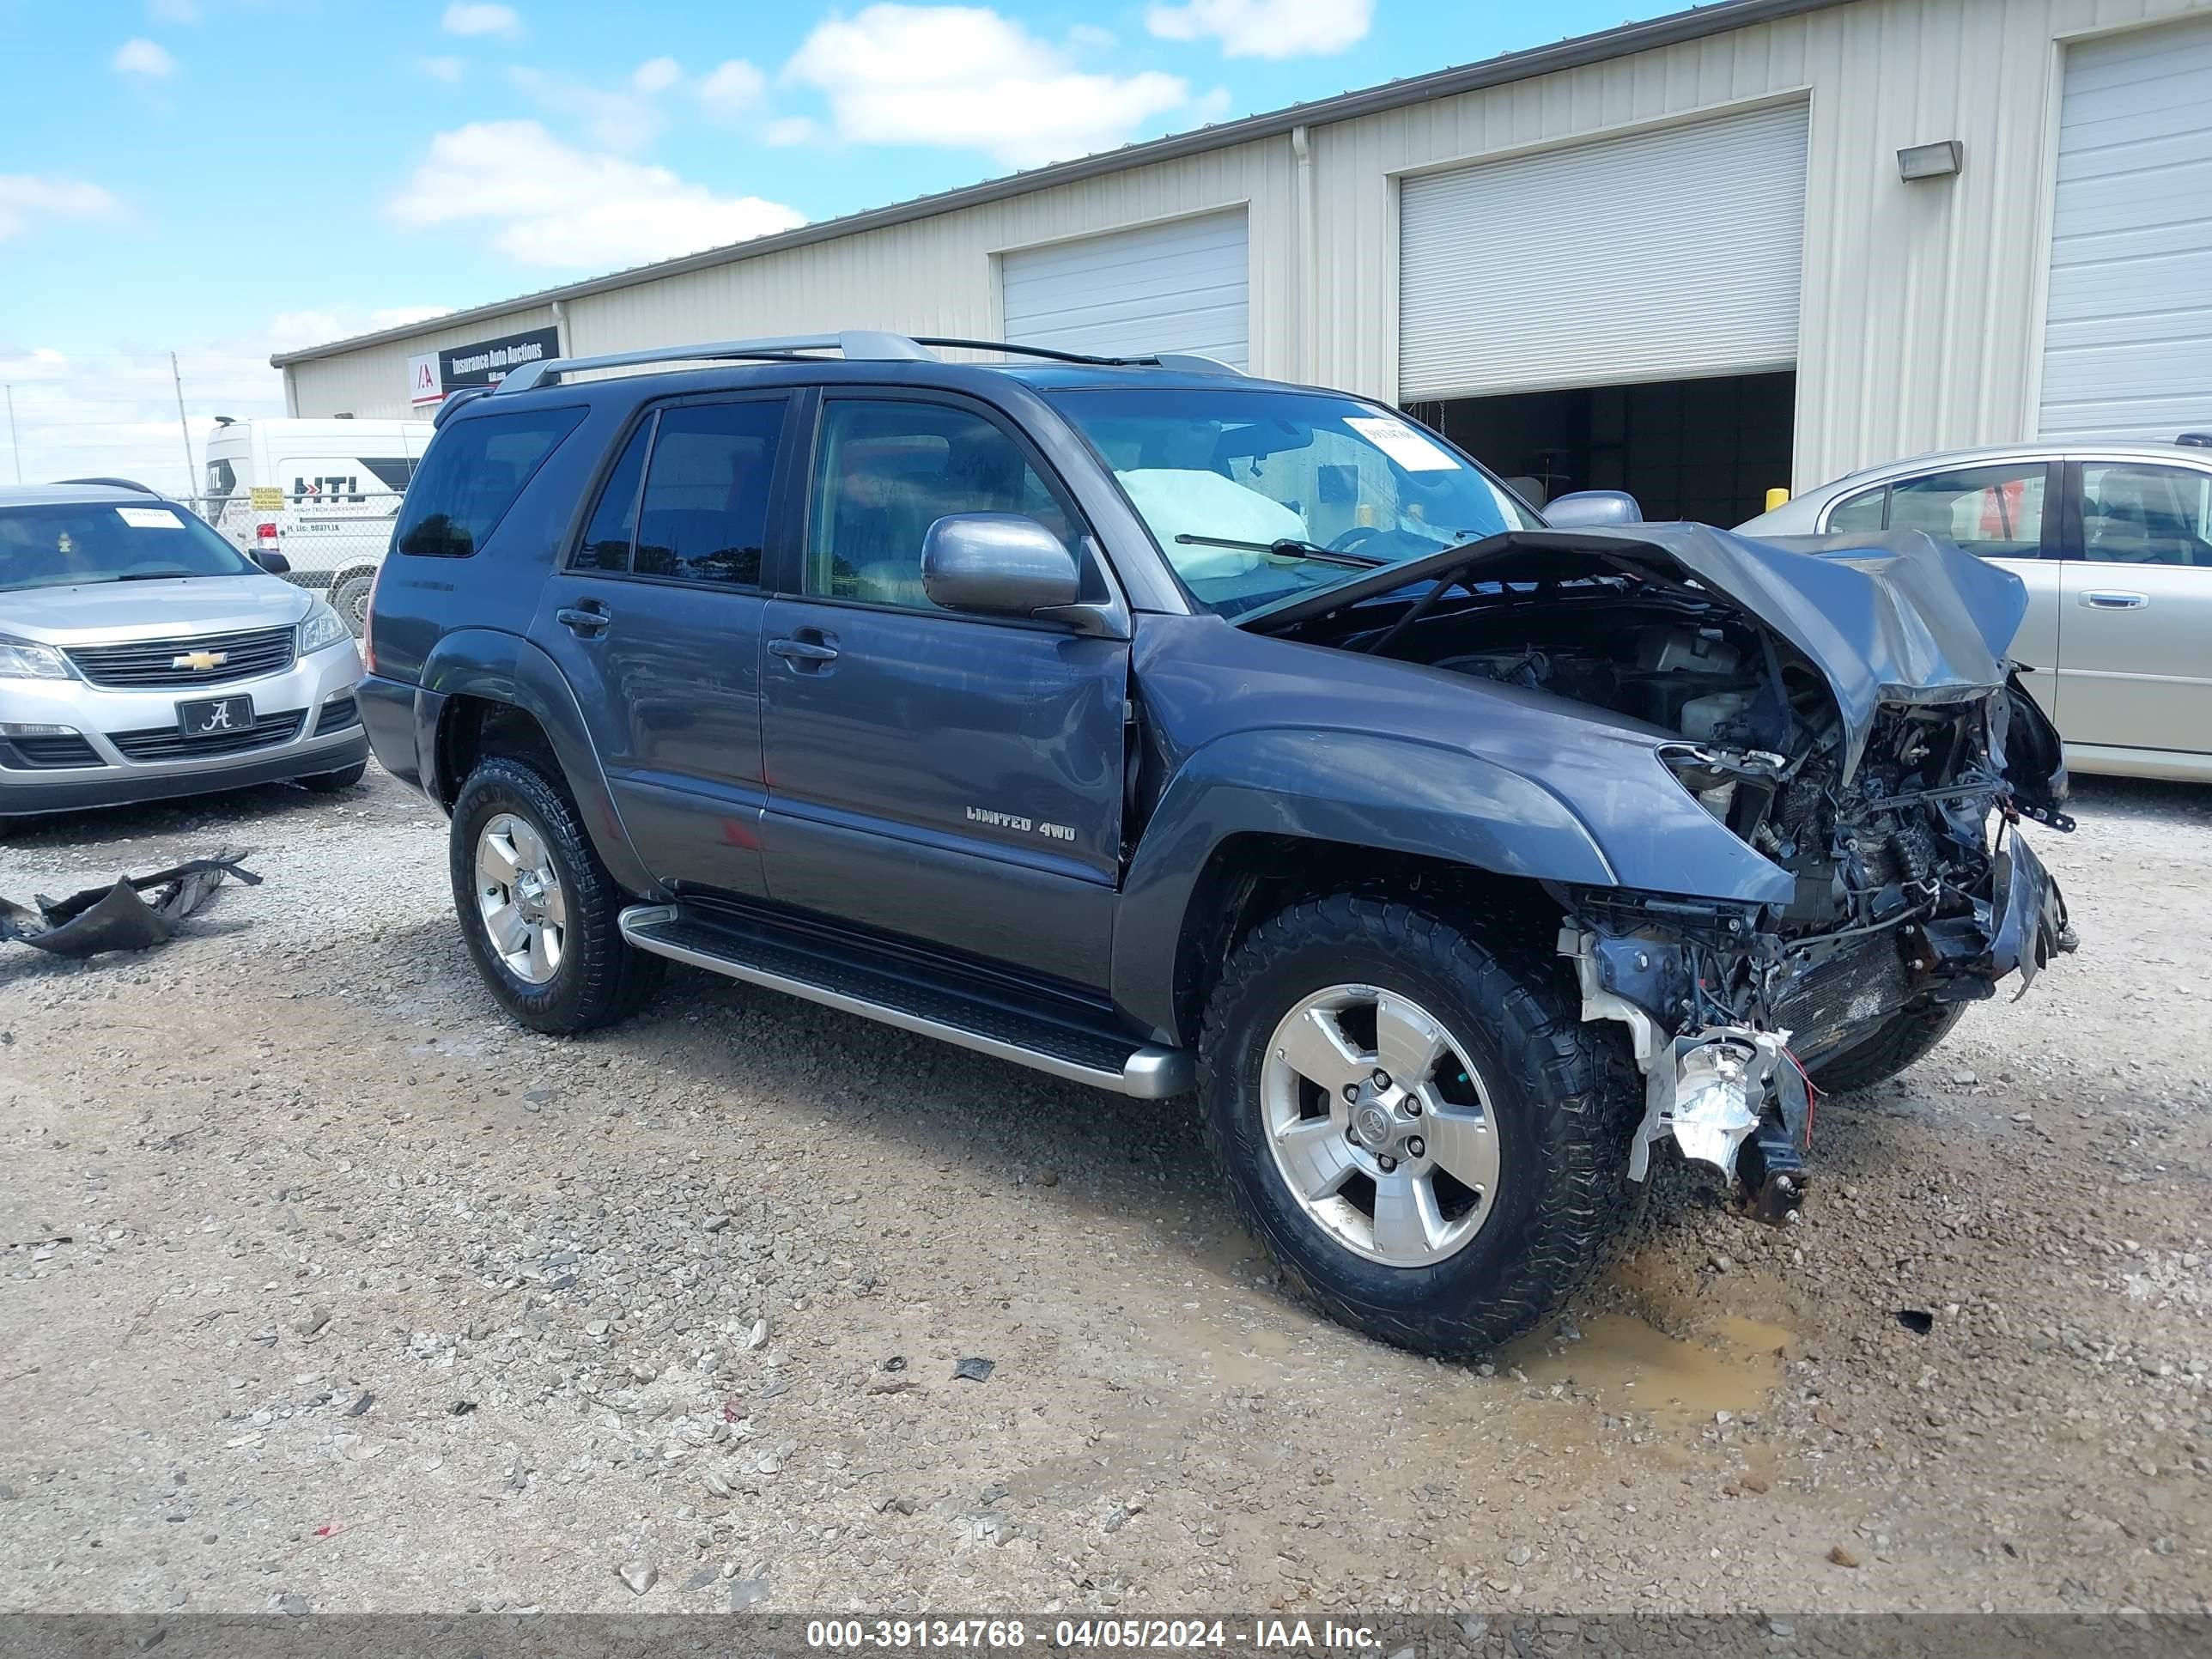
1356,538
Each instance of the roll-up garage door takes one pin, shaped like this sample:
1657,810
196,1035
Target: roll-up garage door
1175,287
2127,348
1670,255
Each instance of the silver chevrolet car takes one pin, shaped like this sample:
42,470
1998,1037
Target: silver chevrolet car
143,657
2114,541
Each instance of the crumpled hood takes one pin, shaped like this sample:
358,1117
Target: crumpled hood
1895,617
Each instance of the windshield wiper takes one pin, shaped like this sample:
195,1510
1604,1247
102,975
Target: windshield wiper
156,576
1289,547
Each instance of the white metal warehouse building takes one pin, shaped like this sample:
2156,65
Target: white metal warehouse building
1683,256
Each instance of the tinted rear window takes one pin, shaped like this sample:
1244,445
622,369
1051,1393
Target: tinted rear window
471,476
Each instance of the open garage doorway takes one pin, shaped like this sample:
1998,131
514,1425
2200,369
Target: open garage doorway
1705,449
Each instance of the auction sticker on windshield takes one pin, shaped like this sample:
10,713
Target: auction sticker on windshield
149,518
1401,443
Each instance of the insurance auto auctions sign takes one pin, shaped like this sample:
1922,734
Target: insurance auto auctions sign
432,374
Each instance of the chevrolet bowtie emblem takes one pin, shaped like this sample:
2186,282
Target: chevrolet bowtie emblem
200,662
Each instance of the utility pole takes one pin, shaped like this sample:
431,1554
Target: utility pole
13,442
192,471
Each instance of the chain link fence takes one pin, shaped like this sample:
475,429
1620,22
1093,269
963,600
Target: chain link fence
333,542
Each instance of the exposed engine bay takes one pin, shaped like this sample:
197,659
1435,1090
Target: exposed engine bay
1887,781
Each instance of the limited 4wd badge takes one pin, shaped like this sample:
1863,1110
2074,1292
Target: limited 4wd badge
1014,821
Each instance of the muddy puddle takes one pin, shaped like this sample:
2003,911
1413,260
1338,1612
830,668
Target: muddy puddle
1623,1364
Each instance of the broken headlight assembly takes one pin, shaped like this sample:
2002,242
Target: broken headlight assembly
1735,789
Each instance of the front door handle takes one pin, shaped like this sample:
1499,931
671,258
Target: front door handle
2111,600
585,620
808,653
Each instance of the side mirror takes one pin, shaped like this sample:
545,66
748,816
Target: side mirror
1592,509
271,561
1003,564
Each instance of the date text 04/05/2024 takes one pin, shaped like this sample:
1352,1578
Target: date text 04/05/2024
900,1635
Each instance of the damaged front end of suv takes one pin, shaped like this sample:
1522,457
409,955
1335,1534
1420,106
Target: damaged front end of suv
1845,711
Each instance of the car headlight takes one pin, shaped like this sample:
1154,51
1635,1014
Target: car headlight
320,628
24,660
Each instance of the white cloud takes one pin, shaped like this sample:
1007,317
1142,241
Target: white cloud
555,205
114,413
401,316
448,70
628,119
25,197
173,11
474,17
966,76
1266,28
143,58
789,131
732,89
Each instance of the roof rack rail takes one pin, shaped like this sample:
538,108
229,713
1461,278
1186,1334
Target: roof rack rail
858,346
1191,361
112,484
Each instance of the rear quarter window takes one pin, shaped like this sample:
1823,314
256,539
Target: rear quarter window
1856,513
471,476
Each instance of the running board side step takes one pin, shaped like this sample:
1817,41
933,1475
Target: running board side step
1080,1053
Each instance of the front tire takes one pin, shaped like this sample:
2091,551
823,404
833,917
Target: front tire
537,907
1901,1040
1415,1121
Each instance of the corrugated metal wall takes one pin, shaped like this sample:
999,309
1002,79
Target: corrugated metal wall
374,381
938,275
1921,321
1922,308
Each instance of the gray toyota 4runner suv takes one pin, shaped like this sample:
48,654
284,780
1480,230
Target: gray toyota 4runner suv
1171,731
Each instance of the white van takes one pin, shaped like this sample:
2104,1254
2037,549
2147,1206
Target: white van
322,493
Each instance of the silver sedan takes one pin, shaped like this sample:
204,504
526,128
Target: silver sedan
2114,543
142,658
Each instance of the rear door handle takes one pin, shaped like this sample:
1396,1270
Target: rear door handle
2109,600
585,621
806,656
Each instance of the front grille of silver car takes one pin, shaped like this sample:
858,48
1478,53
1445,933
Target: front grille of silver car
166,743
150,664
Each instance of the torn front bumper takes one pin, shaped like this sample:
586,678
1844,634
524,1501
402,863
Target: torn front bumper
1736,1096
1712,1089
2030,926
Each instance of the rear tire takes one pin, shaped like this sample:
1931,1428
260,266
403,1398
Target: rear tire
329,783
1559,1100
563,976
1901,1040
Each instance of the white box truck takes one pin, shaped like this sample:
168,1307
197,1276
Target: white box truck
322,493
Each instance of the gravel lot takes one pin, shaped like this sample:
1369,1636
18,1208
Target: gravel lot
327,1288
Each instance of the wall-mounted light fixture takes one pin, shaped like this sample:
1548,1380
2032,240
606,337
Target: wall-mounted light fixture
1937,161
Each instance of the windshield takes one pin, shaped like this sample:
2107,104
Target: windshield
61,546
1256,494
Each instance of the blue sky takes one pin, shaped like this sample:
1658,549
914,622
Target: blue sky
223,178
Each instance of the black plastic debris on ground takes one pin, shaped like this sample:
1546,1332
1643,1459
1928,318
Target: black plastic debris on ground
1918,1321
136,913
972,1370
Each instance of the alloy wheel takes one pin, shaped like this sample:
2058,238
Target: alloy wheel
520,898
1379,1125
